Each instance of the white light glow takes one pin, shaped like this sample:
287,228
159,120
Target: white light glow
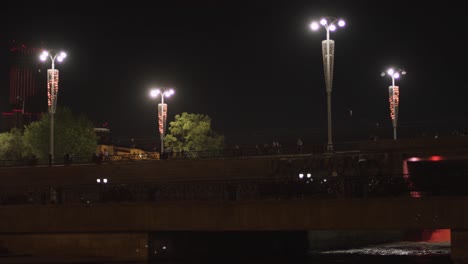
104,180
155,92
314,26
413,159
98,180
60,59
301,175
63,54
341,23
168,93
396,75
390,72
323,22
332,27
309,175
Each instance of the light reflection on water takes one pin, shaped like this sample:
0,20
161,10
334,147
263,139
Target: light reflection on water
393,253
399,249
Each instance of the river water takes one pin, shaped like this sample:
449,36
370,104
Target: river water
402,252
392,253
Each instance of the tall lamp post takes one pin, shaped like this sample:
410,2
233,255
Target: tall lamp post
394,96
52,91
162,112
328,52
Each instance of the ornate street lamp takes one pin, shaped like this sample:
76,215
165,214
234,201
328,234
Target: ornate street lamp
52,91
162,112
394,96
328,52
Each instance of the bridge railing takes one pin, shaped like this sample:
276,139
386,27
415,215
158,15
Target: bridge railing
233,190
184,155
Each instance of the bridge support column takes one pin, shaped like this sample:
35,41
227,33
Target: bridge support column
459,246
396,163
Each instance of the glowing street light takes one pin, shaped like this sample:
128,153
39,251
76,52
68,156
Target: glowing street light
394,96
52,91
328,52
162,111
101,180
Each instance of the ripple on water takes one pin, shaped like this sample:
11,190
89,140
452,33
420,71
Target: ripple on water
398,249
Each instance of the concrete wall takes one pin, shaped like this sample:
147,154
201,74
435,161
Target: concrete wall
137,172
299,214
107,246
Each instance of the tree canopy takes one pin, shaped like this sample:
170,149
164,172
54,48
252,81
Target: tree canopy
192,132
72,134
12,146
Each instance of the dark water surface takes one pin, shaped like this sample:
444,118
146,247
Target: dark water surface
393,253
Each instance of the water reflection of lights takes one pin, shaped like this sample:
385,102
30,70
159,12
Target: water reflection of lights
399,249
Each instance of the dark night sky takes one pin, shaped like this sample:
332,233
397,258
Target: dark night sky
256,68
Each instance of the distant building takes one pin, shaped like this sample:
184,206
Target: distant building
104,136
27,87
16,118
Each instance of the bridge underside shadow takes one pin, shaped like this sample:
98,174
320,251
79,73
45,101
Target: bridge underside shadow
127,227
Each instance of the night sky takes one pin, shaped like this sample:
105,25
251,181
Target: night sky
254,68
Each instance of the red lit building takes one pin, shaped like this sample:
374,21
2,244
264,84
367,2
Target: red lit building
26,86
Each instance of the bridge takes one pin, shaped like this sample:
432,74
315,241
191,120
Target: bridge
244,193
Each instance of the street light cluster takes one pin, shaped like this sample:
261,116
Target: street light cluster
59,56
52,92
328,23
394,96
328,51
162,111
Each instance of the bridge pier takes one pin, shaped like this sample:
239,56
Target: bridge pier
459,246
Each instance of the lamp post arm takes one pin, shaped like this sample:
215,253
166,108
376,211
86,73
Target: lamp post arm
52,59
